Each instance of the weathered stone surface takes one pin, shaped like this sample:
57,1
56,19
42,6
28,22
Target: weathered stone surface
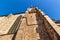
6,23
26,32
31,19
6,37
35,25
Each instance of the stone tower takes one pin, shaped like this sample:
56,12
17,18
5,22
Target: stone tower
31,25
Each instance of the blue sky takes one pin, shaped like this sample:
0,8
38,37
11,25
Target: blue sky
50,7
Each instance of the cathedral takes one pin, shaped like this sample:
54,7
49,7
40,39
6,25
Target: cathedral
33,24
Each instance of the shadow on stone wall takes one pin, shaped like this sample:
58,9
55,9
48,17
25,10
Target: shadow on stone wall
41,29
15,27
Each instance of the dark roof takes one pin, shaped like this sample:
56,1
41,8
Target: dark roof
57,21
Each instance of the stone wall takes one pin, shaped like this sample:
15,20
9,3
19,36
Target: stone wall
51,27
